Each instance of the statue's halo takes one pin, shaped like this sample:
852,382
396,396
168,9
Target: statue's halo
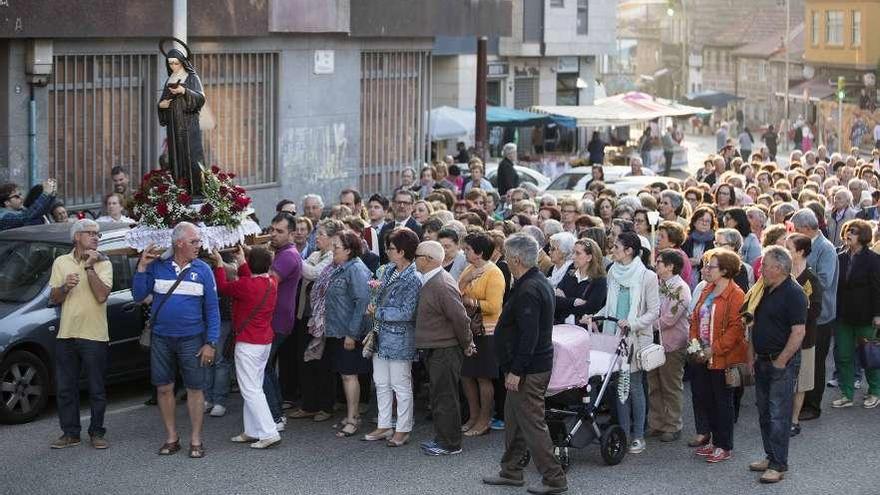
181,43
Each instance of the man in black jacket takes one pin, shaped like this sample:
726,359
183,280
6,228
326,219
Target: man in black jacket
524,346
507,176
403,208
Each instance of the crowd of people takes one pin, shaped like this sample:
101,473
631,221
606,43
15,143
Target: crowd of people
744,273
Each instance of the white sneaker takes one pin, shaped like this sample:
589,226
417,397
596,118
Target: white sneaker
858,384
281,424
208,407
266,442
871,401
841,403
218,411
637,446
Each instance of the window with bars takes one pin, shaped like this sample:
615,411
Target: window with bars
856,28
395,101
238,120
101,113
834,27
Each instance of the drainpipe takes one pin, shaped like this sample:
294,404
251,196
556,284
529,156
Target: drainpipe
32,139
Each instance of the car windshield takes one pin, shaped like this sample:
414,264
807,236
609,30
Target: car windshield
571,181
25,268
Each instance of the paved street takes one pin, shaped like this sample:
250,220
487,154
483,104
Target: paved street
835,454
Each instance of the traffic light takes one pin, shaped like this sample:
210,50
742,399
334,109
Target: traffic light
841,88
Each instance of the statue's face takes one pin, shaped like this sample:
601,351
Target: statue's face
174,64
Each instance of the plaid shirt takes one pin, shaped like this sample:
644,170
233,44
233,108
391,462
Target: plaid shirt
10,219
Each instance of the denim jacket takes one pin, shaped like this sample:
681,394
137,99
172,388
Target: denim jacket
396,314
346,300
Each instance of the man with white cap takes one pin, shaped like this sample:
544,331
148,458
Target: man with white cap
443,333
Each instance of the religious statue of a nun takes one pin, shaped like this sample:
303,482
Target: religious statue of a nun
182,99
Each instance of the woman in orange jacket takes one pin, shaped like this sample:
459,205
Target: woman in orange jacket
717,327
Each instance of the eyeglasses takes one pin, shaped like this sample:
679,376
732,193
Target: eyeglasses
403,203
710,267
569,211
91,233
196,242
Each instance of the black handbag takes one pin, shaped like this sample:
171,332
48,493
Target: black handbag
869,351
476,316
229,345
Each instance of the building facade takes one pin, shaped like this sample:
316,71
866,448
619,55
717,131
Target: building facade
304,96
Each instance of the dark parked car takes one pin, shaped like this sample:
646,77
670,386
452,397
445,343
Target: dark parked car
29,325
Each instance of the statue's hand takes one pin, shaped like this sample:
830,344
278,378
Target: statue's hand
164,104
178,90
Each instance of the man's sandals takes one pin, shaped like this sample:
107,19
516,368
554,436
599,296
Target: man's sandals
171,448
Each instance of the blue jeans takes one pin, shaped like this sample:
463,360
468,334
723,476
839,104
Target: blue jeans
271,385
218,375
170,353
71,356
774,391
632,414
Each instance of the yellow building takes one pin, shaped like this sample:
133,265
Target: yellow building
838,33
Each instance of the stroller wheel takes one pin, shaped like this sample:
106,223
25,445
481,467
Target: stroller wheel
561,454
613,445
525,459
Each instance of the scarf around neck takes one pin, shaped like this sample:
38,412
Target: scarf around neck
702,237
629,276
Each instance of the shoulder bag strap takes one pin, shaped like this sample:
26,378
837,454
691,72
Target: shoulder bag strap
170,291
254,311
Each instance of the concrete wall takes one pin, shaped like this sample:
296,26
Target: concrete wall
454,81
317,116
560,28
14,96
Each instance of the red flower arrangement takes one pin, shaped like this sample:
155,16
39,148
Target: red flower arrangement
225,202
161,202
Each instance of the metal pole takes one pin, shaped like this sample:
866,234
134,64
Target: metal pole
684,50
840,124
33,179
786,44
179,20
481,129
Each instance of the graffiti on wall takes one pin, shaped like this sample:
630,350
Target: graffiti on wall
315,153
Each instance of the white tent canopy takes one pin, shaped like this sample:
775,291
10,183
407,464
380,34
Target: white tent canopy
619,110
451,123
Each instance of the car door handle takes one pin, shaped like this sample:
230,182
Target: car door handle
129,307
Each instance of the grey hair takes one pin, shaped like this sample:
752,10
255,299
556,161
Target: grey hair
551,227
531,189
564,242
845,192
509,147
535,233
632,201
780,256
316,197
180,229
805,219
81,225
674,197
445,216
549,198
758,213
588,207
731,236
522,247
331,226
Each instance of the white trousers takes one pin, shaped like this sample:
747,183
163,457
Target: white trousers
250,366
394,379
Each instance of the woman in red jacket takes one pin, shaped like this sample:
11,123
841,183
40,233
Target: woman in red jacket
253,302
717,327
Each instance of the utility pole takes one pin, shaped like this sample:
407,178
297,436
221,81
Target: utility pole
179,20
786,45
481,129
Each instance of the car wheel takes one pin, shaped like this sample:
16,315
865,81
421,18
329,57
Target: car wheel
24,387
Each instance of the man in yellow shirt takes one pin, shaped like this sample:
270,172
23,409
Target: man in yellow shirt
81,282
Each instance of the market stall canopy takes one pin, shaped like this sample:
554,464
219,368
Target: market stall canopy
711,98
452,123
511,117
623,109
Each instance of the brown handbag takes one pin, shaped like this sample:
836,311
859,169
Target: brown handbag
476,316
